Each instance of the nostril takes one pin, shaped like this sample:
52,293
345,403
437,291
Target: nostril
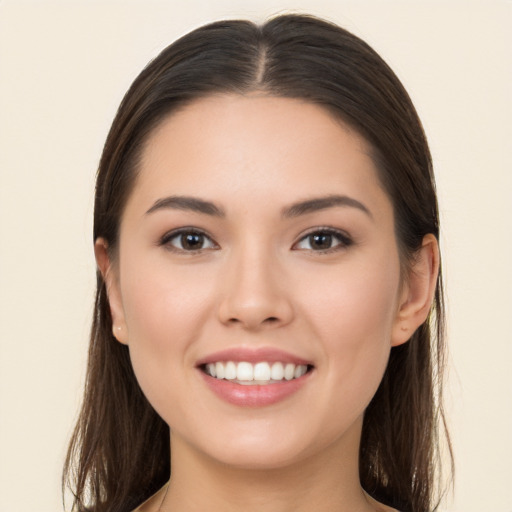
270,320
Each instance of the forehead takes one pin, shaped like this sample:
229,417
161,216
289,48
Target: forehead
229,146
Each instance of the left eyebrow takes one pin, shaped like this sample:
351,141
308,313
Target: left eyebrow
322,203
193,204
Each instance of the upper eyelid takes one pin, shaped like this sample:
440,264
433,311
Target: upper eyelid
169,235
325,229
185,229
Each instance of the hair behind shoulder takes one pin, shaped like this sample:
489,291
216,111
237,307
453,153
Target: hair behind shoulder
119,452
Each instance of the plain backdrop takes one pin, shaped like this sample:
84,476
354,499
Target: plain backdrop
64,67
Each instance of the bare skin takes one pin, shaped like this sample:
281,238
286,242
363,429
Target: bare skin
257,280
156,503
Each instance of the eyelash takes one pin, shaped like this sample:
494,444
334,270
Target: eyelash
179,233
343,240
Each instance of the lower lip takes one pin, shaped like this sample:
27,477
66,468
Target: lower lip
254,395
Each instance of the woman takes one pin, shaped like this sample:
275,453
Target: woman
269,315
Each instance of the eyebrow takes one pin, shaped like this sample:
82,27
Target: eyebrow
187,203
295,210
322,203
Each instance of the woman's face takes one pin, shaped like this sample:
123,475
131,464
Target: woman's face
258,243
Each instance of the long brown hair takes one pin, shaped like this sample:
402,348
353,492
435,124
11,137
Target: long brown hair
119,452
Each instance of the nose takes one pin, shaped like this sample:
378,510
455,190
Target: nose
255,295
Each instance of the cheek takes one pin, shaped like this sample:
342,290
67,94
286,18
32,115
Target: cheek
161,301
164,312
361,297
354,316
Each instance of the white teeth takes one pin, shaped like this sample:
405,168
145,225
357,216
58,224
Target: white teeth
210,369
277,372
219,370
300,370
230,371
244,371
289,371
262,371
259,373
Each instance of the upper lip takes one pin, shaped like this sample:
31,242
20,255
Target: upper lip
253,355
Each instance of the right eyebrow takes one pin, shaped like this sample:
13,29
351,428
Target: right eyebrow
189,203
322,203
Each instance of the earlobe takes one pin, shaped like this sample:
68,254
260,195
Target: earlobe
418,292
105,266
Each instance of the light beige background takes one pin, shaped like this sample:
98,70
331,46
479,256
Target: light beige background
64,68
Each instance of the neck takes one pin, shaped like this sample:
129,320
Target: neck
326,482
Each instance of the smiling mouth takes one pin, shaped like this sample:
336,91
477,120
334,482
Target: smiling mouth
257,374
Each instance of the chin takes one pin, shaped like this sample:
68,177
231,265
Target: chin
258,459
271,447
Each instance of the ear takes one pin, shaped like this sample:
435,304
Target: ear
119,329
418,291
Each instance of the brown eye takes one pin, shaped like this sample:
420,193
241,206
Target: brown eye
191,241
320,241
188,241
323,240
